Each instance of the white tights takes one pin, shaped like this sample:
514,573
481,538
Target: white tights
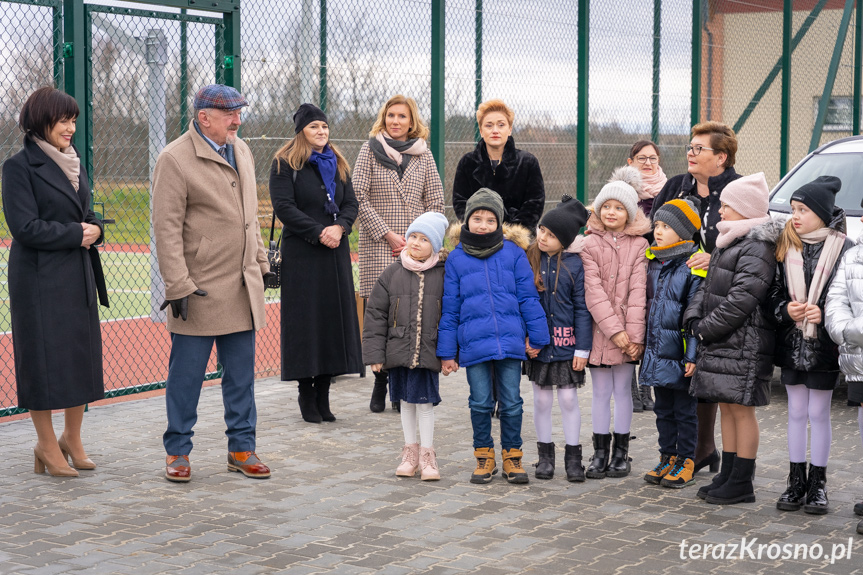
567,399
608,381
812,405
426,421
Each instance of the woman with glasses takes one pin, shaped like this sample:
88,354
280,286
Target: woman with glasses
644,155
710,158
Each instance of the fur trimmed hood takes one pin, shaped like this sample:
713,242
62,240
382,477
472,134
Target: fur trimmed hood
516,233
768,232
639,227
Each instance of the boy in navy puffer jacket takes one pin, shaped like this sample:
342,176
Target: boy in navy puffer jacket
490,307
669,354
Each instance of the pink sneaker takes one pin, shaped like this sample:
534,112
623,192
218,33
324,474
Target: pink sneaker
428,462
410,461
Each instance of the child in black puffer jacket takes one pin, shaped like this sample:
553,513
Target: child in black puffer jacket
735,334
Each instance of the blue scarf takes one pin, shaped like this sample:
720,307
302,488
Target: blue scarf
327,166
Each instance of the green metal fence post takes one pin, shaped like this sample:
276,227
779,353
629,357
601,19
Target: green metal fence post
74,71
657,46
831,76
438,48
785,120
184,74
233,58
858,68
771,76
582,135
57,41
695,105
478,63
323,69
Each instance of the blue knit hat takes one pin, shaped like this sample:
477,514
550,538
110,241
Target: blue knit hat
432,225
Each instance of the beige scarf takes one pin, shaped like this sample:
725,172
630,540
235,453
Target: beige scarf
417,148
796,279
67,159
651,185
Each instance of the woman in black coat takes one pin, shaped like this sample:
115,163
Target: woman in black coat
710,158
498,165
55,279
729,317
312,195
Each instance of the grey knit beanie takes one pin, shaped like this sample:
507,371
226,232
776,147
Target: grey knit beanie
680,215
622,186
485,199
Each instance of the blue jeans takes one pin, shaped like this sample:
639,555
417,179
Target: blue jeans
676,421
507,376
186,370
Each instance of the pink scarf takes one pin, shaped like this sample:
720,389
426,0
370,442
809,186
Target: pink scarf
731,230
651,185
411,264
417,148
796,280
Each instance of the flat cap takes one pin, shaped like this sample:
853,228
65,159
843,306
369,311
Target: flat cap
220,97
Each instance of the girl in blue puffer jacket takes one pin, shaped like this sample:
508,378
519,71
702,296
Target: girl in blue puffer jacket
669,353
490,307
559,278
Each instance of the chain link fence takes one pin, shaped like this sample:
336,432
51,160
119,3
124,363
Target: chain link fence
350,56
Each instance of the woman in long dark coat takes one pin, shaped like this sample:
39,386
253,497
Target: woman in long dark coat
55,279
312,195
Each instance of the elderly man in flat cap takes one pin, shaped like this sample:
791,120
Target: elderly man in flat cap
213,262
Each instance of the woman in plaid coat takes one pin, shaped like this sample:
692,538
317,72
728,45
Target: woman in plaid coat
395,180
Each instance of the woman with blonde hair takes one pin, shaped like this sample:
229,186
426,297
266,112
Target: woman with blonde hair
498,165
312,195
396,180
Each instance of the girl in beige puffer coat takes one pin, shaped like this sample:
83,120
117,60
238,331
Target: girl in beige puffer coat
615,280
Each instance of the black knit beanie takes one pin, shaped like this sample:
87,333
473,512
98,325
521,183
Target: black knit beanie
566,219
819,196
305,115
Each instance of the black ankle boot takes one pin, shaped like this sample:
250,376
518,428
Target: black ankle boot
816,492
545,466
720,478
379,394
794,495
308,401
646,399
601,453
572,463
619,465
637,406
738,488
322,393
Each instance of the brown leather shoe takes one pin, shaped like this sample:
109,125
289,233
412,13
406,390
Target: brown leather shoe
247,463
178,468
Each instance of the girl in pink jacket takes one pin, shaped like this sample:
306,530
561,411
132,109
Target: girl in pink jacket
615,281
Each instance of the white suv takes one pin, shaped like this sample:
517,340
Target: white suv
841,158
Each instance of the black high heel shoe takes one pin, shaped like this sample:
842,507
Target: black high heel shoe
712,460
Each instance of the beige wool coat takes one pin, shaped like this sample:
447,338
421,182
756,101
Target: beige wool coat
205,218
389,204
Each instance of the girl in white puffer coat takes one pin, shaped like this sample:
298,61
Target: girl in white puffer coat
844,323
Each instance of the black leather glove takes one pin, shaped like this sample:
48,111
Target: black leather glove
180,307
268,277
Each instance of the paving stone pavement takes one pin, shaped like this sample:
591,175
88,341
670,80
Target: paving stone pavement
334,504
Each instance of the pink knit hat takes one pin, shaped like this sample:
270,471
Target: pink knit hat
748,196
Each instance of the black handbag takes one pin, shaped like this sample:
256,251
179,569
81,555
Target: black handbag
274,257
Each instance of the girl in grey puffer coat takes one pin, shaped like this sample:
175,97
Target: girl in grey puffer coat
844,322
400,336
